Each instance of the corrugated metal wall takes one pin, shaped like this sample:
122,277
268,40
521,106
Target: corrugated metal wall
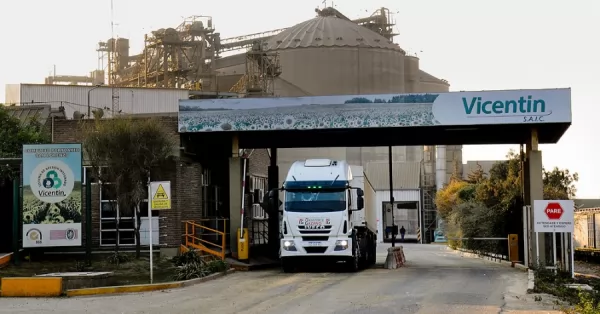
399,196
587,229
580,236
131,100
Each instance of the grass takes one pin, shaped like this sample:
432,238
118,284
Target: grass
546,281
128,272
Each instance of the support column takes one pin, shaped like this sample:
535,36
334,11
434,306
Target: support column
274,212
16,220
235,194
534,190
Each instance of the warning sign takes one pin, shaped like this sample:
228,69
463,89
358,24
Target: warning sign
553,215
161,195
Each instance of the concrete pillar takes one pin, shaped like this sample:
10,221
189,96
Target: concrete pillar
235,194
534,190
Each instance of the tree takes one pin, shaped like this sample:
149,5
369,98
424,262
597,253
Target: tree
124,152
492,206
13,134
559,184
476,175
447,198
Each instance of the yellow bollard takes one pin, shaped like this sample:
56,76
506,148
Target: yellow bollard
243,245
513,248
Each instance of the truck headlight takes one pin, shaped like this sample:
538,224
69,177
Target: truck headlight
341,245
289,245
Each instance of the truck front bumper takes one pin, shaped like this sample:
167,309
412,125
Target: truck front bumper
340,247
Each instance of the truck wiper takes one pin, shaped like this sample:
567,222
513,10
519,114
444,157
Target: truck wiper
332,182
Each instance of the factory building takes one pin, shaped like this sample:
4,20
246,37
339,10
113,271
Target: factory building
327,55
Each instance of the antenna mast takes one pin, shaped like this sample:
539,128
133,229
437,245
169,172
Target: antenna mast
112,62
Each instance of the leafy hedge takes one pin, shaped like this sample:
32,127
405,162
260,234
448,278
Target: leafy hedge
192,265
490,204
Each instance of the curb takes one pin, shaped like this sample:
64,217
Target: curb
244,267
530,280
143,288
31,287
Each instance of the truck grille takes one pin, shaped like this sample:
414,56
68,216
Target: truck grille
326,229
315,238
317,249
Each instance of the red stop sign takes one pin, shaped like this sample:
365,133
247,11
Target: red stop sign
554,211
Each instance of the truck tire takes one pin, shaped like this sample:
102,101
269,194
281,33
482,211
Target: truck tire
354,262
373,253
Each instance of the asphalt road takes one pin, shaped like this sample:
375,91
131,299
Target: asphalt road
435,280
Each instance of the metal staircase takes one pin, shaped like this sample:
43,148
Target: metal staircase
428,188
204,239
240,86
262,67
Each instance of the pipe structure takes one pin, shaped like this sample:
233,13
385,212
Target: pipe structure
392,195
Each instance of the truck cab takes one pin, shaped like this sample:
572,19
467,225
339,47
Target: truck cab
317,206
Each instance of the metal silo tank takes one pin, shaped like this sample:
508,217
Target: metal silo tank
344,70
411,68
332,56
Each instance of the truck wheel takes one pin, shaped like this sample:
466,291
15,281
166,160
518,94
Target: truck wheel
373,253
364,259
354,261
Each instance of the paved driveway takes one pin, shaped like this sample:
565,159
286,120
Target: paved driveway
435,280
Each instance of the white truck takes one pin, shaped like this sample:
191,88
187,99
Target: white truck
329,213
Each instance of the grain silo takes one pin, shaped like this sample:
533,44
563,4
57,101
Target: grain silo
332,55
329,55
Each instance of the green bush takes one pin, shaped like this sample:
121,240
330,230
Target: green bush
117,258
217,266
585,302
188,257
197,268
585,305
191,271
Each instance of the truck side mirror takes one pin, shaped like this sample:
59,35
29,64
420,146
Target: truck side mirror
360,192
360,203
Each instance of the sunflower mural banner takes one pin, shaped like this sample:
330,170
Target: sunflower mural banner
52,195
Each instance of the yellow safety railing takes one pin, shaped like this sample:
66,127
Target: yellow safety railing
195,231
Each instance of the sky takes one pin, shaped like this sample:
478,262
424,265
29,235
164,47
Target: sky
474,44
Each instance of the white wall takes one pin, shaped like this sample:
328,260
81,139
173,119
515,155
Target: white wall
74,98
144,236
399,196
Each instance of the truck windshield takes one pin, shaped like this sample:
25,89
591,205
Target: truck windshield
315,201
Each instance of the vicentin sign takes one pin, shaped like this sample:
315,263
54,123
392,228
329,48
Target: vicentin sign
533,106
553,215
531,109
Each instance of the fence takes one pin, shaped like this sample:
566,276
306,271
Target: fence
495,248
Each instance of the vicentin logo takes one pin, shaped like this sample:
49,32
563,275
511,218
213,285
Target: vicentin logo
532,110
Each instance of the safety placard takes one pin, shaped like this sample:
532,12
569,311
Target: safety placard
160,192
553,215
